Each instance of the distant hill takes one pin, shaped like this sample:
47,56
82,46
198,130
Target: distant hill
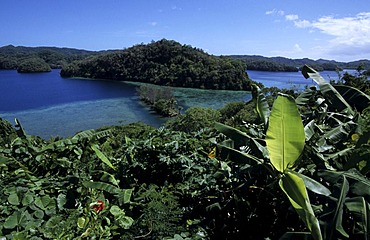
281,64
12,57
164,62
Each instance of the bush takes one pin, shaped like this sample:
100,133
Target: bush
235,113
195,119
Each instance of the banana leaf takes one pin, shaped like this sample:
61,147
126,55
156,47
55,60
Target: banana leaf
295,189
327,89
361,185
240,138
102,186
90,134
262,107
285,137
339,133
338,214
304,98
354,97
360,209
296,235
238,156
313,185
102,156
309,130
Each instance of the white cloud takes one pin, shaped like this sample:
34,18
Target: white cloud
302,23
275,12
175,8
291,17
295,51
349,35
297,48
153,24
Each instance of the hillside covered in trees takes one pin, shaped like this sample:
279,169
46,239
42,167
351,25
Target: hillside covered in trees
11,57
282,64
164,62
29,59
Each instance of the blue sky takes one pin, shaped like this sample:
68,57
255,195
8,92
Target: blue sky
330,29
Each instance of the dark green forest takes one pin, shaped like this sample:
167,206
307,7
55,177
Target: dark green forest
12,57
166,63
282,64
32,65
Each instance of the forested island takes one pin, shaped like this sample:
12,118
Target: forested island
282,64
39,59
33,65
11,57
164,62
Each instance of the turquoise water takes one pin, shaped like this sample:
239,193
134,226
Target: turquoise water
67,119
48,105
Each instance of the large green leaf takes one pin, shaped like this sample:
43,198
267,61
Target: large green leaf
285,135
339,133
354,96
313,185
102,186
338,214
102,156
295,189
360,209
303,99
239,137
361,185
309,130
262,107
330,93
238,156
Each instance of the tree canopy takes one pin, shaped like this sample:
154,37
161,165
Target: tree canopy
33,65
164,62
12,57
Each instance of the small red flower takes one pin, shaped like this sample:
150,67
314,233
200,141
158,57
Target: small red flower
97,206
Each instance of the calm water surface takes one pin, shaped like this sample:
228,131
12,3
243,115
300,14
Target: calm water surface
290,80
48,105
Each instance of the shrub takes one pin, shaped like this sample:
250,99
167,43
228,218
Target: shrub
195,119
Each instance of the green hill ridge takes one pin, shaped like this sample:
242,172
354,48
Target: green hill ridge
164,62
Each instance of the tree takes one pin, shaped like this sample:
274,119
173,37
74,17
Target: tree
33,65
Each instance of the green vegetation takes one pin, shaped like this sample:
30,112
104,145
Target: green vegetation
281,64
160,99
12,57
33,65
166,63
297,168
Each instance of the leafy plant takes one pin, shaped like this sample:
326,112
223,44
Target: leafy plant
327,136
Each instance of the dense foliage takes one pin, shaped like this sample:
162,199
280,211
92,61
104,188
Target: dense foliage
254,63
296,169
283,64
167,63
12,57
160,99
32,65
